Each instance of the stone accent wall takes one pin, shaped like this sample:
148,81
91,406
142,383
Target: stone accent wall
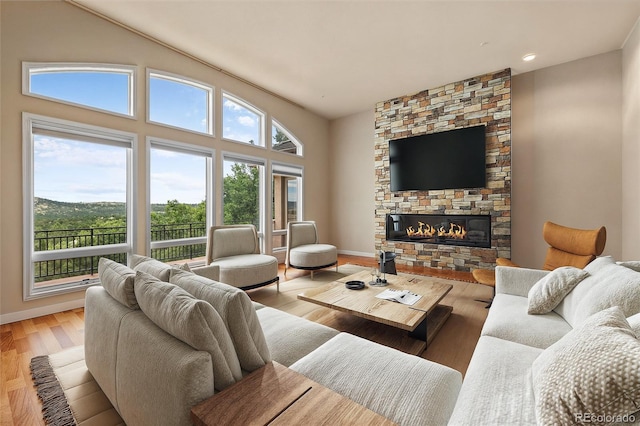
474,101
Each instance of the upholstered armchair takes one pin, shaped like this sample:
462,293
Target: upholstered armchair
567,247
304,250
235,249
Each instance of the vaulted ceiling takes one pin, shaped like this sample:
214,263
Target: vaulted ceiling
337,57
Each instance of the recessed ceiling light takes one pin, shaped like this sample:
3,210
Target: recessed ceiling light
529,57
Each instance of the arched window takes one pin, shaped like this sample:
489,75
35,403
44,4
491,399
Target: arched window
180,102
283,141
241,122
103,87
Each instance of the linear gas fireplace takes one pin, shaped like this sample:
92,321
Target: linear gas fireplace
459,230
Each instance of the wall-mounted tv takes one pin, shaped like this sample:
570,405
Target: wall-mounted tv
453,159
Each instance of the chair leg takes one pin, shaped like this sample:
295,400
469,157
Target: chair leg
278,286
285,270
312,275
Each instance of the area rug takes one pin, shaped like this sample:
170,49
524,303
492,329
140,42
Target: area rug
70,395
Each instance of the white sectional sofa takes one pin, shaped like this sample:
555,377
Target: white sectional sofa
156,348
498,387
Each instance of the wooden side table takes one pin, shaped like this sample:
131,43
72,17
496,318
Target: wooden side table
277,395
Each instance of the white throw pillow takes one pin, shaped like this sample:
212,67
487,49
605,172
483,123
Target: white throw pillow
237,312
592,372
634,322
151,266
549,291
193,321
631,264
118,280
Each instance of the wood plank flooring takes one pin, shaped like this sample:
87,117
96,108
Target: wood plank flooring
20,341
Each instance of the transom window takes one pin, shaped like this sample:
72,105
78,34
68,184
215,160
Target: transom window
241,121
180,102
102,87
283,141
78,185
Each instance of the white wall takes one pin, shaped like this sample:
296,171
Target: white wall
352,183
567,153
631,145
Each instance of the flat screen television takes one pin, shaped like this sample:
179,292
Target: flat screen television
453,159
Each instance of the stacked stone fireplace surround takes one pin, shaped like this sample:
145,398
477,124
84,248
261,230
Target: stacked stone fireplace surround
484,99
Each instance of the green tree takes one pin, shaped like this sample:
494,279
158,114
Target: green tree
177,213
241,195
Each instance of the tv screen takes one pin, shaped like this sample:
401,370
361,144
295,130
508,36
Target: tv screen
444,160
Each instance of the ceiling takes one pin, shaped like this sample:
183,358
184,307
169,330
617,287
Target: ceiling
337,57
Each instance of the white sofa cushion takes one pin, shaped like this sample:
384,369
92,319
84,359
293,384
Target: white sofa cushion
497,385
508,319
247,269
568,307
192,321
404,388
290,337
616,286
151,266
118,280
237,312
594,370
550,290
632,264
313,255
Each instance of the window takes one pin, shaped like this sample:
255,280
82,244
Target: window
180,102
282,141
180,193
286,205
78,183
103,87
243,189
241,121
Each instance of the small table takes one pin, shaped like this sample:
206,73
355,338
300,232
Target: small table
277,395
364,303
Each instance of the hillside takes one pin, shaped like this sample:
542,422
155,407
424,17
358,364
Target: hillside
54,210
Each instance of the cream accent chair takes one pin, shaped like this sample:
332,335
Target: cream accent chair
304,250
236,250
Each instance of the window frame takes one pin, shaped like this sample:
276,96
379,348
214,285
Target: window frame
184,148
130,70
299,145
176,78
101,135
252,108
262,214
292,170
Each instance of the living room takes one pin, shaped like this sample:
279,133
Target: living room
574,133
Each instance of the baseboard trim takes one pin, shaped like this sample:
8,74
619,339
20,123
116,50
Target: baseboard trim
41,311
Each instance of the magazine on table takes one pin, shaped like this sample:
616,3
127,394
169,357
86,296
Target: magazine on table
401,296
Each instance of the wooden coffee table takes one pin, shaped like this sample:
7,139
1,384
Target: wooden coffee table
422,320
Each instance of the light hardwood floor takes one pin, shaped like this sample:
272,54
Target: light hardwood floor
20,341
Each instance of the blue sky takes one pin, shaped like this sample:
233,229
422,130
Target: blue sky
72,171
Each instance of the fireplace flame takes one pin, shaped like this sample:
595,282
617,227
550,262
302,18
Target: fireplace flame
426,230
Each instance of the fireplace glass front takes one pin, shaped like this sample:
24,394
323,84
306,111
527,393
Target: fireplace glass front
459,230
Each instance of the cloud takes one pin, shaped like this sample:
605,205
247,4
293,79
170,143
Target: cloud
177,181
232,105
247,121
74,153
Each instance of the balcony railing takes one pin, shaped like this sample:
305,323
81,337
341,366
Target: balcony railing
56,239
